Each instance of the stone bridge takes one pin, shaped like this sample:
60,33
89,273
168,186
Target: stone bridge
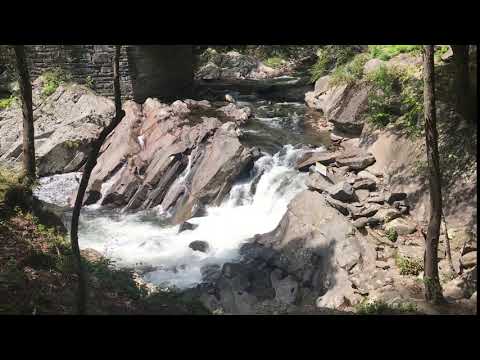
162,71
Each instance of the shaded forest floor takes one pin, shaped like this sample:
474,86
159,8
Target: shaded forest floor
37,270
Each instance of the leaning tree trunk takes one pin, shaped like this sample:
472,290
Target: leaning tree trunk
90,164
27,109
433,290
463,99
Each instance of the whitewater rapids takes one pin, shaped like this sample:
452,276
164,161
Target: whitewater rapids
144,240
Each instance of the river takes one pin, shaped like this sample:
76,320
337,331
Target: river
256,203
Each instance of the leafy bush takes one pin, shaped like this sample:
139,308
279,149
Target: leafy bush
331,56
7,102
395,94
409,266
52,80
392,235
350,72
386,52
90,82
379,307
440,51
383,98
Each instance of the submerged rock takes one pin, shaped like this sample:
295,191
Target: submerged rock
199,245
187,226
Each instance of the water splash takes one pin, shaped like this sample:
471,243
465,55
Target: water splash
143,239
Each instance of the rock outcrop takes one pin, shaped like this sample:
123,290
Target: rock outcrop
344,105
65,125
174,156
233,65
309,256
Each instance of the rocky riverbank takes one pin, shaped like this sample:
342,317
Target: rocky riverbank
351,234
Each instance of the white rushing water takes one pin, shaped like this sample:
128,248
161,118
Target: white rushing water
254,206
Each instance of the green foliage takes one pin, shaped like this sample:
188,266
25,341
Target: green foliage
392,234
383,99
395,95
90,82
173,300
329,57
52,80
8,179
386,52
450,275
379,307
274,62
7,102
350,72
114,279
72,144
440,51
409,266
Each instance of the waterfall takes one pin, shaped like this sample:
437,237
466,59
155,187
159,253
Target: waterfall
142,239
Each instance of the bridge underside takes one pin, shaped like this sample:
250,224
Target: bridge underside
163,71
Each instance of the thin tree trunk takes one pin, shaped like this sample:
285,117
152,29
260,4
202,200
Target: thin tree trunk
433,290
27,110
462,81
90,164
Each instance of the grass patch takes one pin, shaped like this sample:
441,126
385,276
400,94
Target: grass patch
6,103
274,62
350,72
396,96
379,307
52,80
392,235
386,52
330,57
408,266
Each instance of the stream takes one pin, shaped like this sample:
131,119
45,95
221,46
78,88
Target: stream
256,203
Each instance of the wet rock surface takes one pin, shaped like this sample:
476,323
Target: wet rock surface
168,155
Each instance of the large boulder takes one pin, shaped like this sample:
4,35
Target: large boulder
65,125
199,245
401,226
310,255
344,105
356,161
168,155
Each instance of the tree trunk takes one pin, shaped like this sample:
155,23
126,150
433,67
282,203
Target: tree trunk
27,109
90,164
433,290
463,99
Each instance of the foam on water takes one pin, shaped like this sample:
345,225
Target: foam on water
143,239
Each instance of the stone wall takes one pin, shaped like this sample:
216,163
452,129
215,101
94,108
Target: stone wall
159,71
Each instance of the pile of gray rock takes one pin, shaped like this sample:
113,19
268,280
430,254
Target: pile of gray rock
233,65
